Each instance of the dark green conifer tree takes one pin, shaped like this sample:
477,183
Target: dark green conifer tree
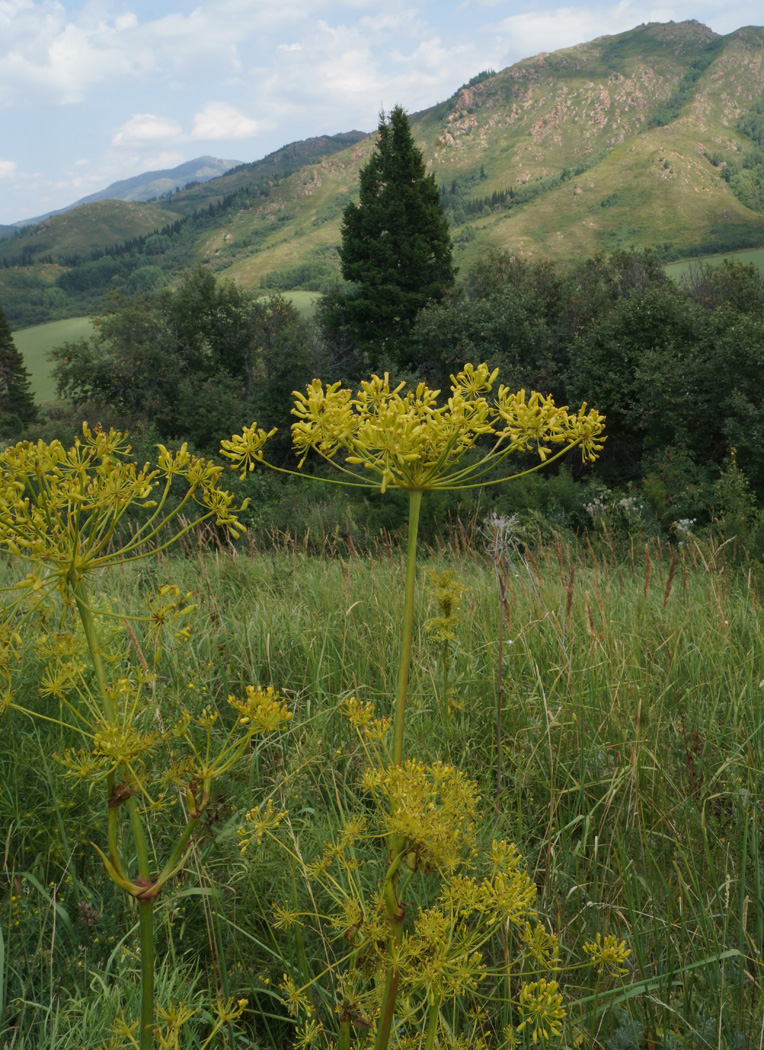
17,407
396,248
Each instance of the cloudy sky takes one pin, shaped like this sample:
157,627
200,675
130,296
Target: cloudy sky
92,92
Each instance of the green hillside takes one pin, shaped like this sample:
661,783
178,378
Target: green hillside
604,145
651,138
91,228
35,343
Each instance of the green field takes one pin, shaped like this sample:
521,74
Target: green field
303,302
753,255
34,344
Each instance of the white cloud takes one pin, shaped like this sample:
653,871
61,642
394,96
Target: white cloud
47,57
145,128
535,31
7,169
219,120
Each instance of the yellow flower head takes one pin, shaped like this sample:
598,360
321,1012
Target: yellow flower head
404,438
541,1009
61,508
608,955
261,710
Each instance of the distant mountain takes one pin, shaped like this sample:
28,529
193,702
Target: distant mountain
149,185
281,162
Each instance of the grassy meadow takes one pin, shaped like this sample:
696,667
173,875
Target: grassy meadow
36,342
753,255
632,726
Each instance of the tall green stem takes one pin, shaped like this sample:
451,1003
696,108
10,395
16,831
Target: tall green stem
82,599
415,502
146,920
395,910
432,1023
145,908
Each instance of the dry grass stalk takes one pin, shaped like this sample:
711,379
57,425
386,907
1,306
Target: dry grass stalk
591,629
569,591
670,580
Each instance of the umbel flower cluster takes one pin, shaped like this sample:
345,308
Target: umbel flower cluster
404,439
62,508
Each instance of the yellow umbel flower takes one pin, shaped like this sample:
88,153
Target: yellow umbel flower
541,1009
261,709
261,820
432,808
61,508
406,439
608,955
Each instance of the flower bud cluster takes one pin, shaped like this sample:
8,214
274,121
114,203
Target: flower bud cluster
406,439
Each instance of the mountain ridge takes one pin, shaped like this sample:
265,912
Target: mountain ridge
146,186
633,139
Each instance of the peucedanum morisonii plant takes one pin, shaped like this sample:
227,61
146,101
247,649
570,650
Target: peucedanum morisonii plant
385,437
64,512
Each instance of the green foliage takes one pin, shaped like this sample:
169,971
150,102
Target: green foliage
591,700
672,108
396,248
748,183
319,274
195,361
509,314
619,333
17,406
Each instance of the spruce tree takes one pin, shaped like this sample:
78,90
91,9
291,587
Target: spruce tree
17,407
396,248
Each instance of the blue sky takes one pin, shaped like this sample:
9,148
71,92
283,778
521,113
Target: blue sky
92,92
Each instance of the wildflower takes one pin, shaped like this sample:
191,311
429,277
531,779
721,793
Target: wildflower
431,808
541,1009
61,508
608,955
541,945
231,1010
284,918
261,709
261,821
308,1034
405,439
296,998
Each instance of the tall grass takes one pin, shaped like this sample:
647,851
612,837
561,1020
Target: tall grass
632,744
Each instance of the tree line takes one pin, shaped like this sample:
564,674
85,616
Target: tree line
675,366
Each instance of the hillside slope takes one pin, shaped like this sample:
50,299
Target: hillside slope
626,140
603,145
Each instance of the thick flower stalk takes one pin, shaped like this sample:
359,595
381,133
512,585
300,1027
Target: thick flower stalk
381,438
63,512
